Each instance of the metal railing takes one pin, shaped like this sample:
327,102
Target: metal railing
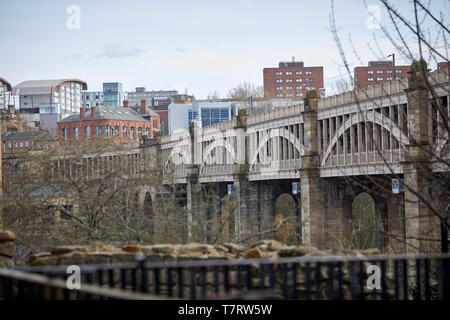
337,277
20,285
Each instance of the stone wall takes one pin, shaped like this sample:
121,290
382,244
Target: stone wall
98,254
7,249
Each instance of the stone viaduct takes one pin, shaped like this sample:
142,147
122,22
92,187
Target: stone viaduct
334,148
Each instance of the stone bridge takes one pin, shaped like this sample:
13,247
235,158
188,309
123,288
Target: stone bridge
335,148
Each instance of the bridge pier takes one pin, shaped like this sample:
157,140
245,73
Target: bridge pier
312,193
422,222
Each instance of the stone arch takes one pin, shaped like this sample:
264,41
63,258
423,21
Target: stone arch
287,206
217,144
178,155
363,221
369,221
371,116
276,132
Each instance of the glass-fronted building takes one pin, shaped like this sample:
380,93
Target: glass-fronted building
113,95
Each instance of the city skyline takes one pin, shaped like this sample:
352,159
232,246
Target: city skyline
202,47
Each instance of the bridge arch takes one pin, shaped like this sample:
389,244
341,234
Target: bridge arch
371,116
215,145
276,132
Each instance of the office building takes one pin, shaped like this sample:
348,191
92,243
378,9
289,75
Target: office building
291,80
379,72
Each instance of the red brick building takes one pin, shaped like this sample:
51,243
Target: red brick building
379,72
115,124
291,80
20,142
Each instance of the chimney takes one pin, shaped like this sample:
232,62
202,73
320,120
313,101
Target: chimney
143,106
82,113
125,103
11,109
93,112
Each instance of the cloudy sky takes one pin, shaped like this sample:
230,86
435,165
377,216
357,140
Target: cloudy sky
198,45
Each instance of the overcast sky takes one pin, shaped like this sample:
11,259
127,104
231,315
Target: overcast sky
198,45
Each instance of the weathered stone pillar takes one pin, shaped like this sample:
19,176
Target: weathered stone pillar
194,204
7,249
422,225
312,199
240,179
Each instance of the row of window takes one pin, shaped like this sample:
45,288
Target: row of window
291,88
109,131
21,144
381,71
381,79
290,80
280,95
289,73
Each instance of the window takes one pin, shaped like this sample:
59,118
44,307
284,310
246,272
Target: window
139,132
298,72
10,145
87,132
308,72
288,80
64,132
155,124
288,73
279,80
369,79
299,94
389,78
379,71
298,80
98,132
21,144
299,87
75,133
116,131
279,95
398,71
279,73
398,78
26,144
288,88
289,95
279,88
15,144
124,132
388,71
379,79
147,130
107,132
132,133
370,72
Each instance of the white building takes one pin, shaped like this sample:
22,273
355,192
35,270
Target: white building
207,112
179,116
51,100
5,94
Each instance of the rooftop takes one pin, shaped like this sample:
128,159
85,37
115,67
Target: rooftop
108,113
43,86
40,135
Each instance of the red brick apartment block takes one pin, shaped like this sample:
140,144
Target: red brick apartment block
291,80
379,72
115,124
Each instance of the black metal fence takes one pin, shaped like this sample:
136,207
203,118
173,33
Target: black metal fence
375,278
20,285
